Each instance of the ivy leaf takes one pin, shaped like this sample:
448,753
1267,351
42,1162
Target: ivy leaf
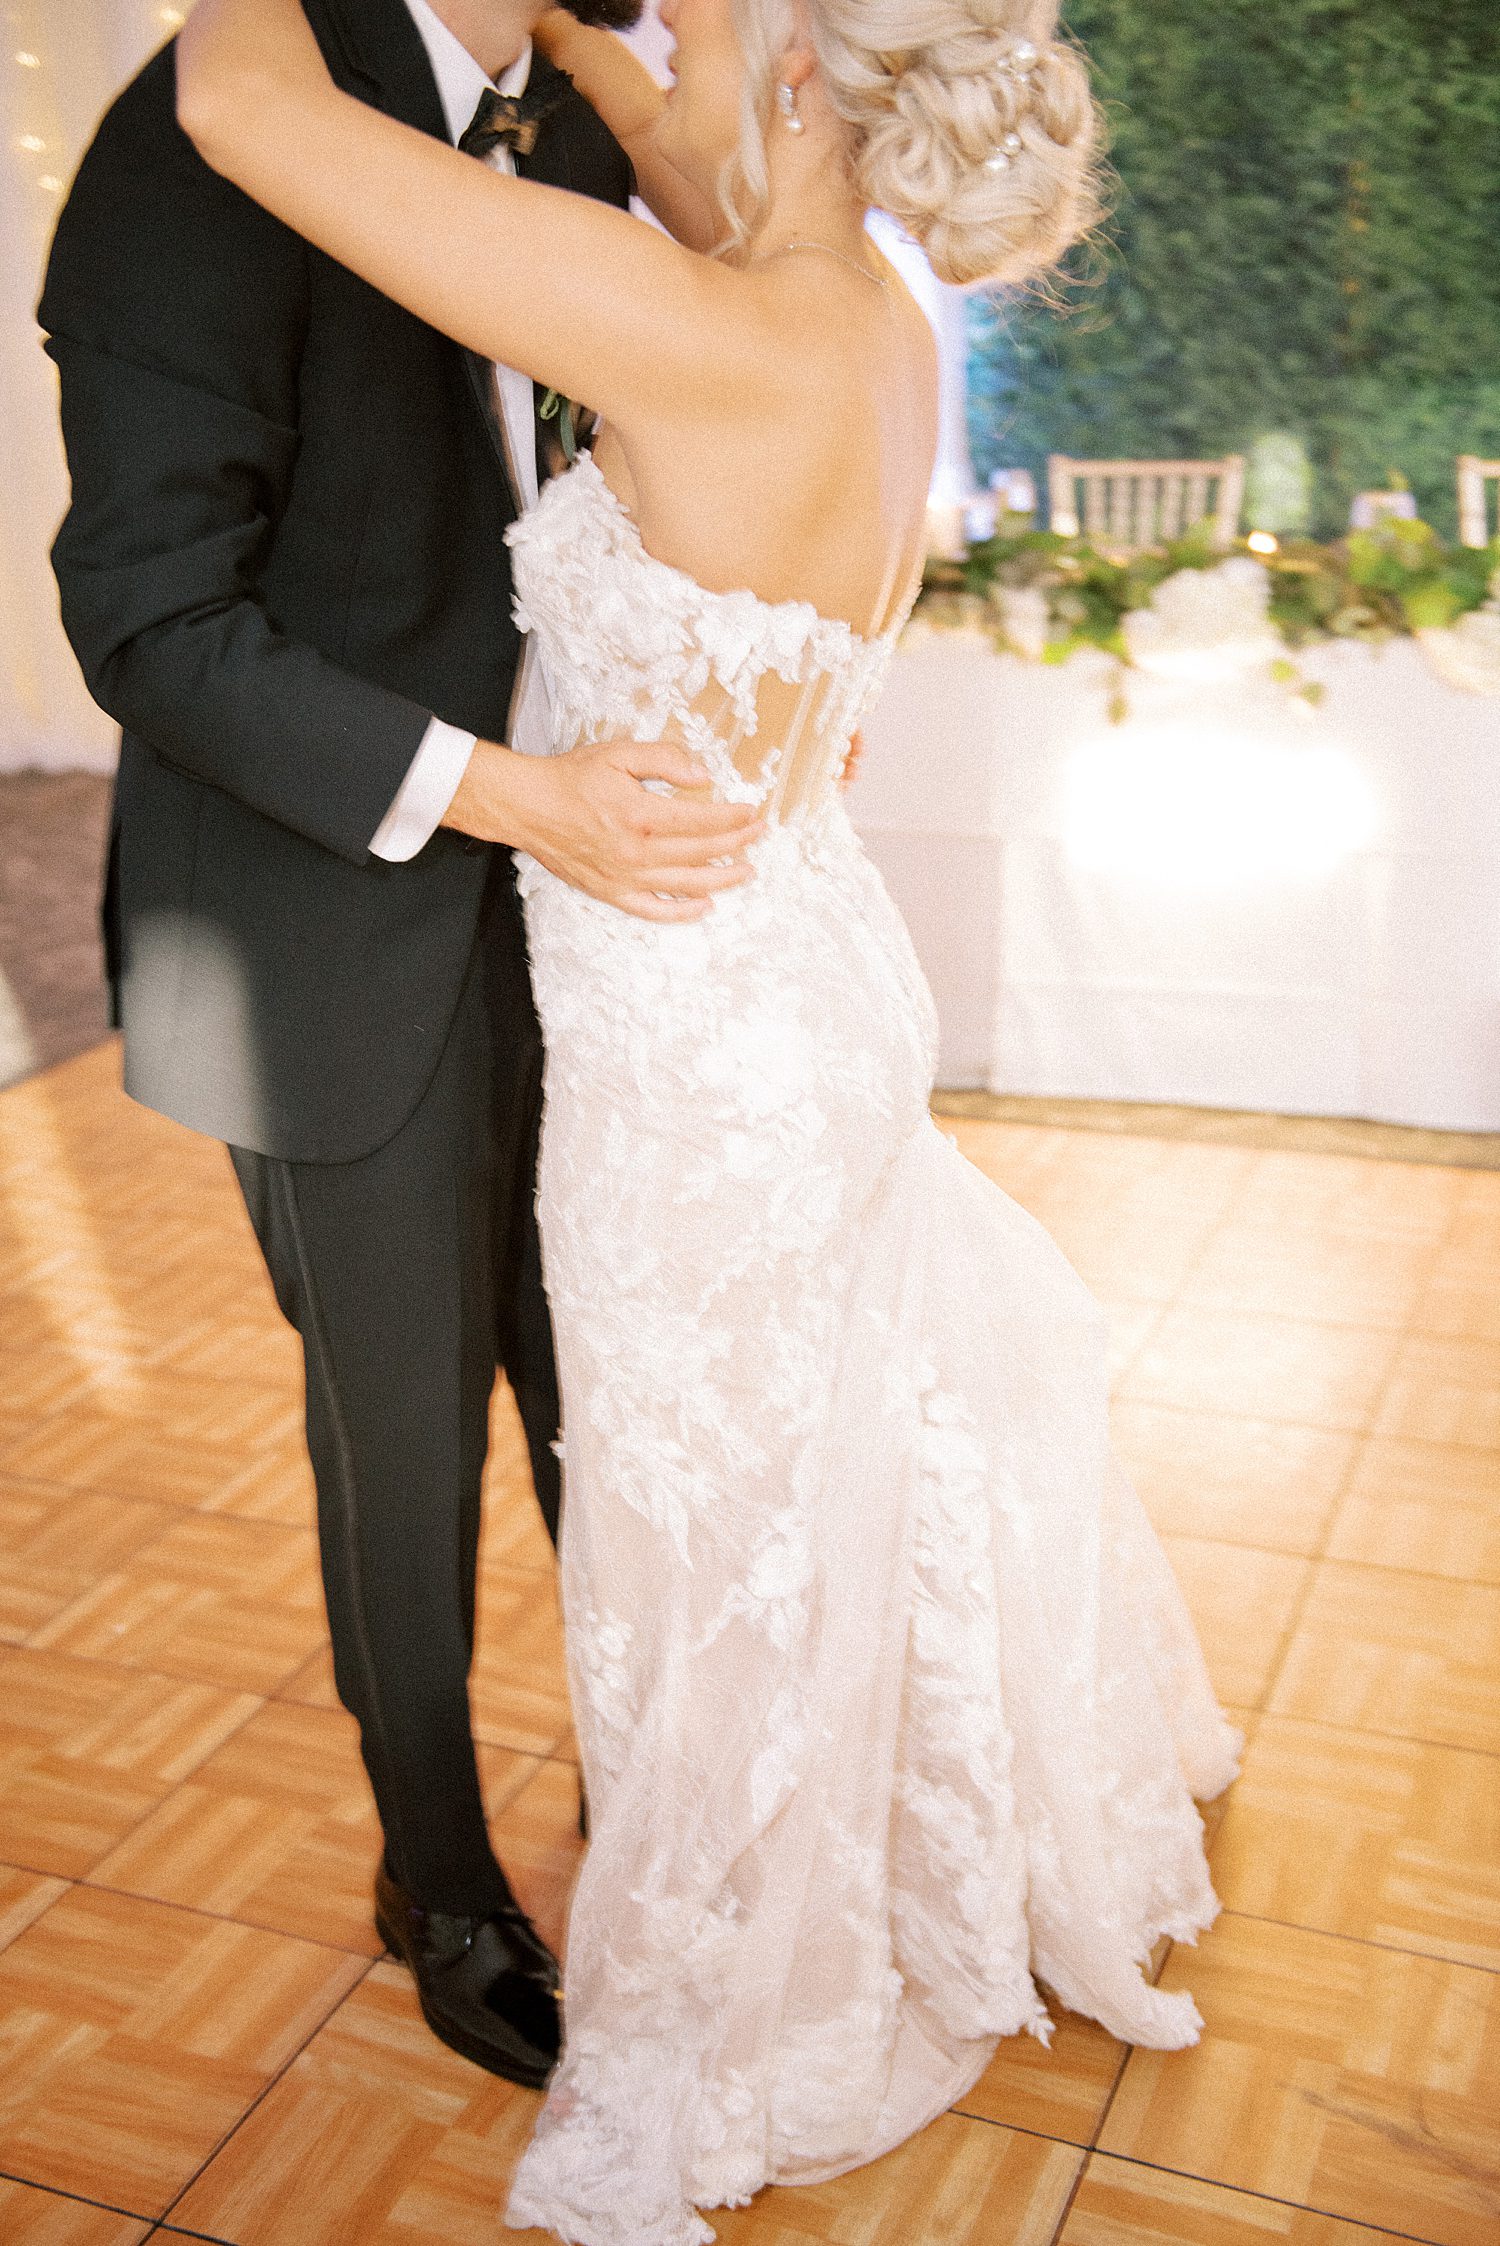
555,407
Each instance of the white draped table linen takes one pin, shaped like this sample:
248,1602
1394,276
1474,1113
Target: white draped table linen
1230,900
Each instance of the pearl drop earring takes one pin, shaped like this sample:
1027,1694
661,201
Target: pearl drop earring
786,102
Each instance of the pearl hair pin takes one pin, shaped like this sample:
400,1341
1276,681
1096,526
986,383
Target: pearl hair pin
1019,63
786,102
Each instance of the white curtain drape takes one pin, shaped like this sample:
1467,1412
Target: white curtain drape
61,62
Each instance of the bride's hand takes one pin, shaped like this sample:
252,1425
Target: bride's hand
552,33
617,84
606,73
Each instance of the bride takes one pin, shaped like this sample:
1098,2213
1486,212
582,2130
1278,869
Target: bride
887,1703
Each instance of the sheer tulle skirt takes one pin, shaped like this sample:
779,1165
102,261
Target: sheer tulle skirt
887,1702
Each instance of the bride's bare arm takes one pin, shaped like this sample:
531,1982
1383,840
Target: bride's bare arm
578,295
627,97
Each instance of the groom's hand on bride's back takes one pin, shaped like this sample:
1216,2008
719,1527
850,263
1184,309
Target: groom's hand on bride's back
589,818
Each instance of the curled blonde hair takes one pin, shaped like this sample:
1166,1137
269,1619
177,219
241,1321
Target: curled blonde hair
971,123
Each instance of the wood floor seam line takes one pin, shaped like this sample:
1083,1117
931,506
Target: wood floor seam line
1073,2190
1291,1628
83,1879
1365,1941
1254,1419
262,2094
194,2021
1274,2199
1367,1567
77,2198
201,1910
1368,1731
1288,1638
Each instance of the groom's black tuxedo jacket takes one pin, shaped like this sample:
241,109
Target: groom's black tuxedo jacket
285,553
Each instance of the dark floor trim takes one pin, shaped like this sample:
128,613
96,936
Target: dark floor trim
1216,1126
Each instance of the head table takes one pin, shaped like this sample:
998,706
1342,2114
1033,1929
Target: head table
1231,898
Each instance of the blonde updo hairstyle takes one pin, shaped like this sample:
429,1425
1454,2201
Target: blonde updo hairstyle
971,123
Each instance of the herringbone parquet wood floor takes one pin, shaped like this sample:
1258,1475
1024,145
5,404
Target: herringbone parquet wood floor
198,2035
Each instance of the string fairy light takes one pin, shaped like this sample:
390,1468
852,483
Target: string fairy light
48,140
33,107
62,62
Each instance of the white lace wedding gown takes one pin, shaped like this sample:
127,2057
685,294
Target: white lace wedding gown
886,1699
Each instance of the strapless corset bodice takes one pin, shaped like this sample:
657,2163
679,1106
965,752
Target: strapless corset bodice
767,693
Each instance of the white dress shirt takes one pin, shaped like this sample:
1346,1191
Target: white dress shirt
435,771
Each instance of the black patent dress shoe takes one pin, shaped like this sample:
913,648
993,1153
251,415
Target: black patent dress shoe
488,1987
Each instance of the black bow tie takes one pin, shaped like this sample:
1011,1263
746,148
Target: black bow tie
508,121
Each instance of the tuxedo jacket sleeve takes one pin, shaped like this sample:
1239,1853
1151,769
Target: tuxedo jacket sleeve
175,309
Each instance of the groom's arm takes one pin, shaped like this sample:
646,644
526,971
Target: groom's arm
176,310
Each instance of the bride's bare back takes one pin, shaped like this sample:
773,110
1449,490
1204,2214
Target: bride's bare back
825,504
826,510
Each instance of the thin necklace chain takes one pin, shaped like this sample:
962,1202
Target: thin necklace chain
829,251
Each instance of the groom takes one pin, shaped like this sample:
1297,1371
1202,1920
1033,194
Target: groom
284,573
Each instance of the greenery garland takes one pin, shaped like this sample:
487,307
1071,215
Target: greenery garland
1399,578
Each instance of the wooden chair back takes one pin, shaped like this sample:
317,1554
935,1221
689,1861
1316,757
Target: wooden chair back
1474,475
1124,506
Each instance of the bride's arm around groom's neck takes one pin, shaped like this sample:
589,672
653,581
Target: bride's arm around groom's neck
619,86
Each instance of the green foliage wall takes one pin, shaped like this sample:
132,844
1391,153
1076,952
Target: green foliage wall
1306,238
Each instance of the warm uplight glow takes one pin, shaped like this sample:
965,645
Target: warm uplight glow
1263,542
29,62
1196,805
1202,666
33,143
173,18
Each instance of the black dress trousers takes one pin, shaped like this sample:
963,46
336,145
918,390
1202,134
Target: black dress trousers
409,1275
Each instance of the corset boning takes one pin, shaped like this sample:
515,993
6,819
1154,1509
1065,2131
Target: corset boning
767,693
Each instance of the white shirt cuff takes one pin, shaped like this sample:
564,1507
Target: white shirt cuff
424,795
